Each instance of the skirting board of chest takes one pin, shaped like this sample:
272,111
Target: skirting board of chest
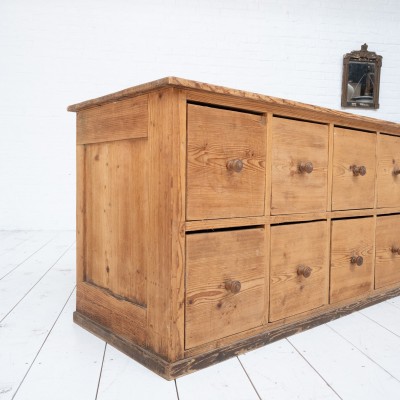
211,221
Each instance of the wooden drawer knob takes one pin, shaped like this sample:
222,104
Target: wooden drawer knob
395,250
233,286
306,167
358,170
357,260
234,165
304,270
396,171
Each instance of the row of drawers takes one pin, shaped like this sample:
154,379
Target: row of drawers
311,264
226,166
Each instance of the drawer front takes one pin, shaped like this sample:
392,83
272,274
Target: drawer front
299,166
387,261
388,186
225,284
352,258
293,287
225,163
353,187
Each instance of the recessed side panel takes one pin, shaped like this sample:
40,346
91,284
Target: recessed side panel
116,234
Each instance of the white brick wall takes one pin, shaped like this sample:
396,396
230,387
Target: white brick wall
54,53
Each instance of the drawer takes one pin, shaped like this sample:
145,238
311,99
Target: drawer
299,268
353,169
387,259
299,166
225,284
225,163
352,258
388,185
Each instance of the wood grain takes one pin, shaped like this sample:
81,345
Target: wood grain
80,213
122,317
213,259
330,167
388,184
387,263
215,137
116,205
125,119
172,370
295,142
328,308
276,105
152,177
209,224
352,237
292,246
166,254
353,148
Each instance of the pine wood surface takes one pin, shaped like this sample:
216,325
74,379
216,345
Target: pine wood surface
171,370
352,237
116,204
216,137
387,263
41,347
277,105
212,311
126,119
388,184
165,280
163,223
293,143
291,247
126,319
353,148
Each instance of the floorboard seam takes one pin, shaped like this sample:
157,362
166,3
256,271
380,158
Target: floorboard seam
362,352
316,371
101,370
382,326
44,341
248,377
26,259
19,301
176,389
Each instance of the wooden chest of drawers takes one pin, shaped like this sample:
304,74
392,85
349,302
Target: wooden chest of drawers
211,221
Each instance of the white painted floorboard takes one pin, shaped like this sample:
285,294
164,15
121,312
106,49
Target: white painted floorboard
68,366
15,257
348,371
380,345
124,378
279,372
387,315
224,381
44,355
13,240
15,285
25,329
394,302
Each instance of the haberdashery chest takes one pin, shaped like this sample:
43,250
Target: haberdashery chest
211,221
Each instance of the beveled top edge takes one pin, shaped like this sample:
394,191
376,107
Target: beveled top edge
129,92
172,81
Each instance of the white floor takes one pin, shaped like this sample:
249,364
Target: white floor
43,355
